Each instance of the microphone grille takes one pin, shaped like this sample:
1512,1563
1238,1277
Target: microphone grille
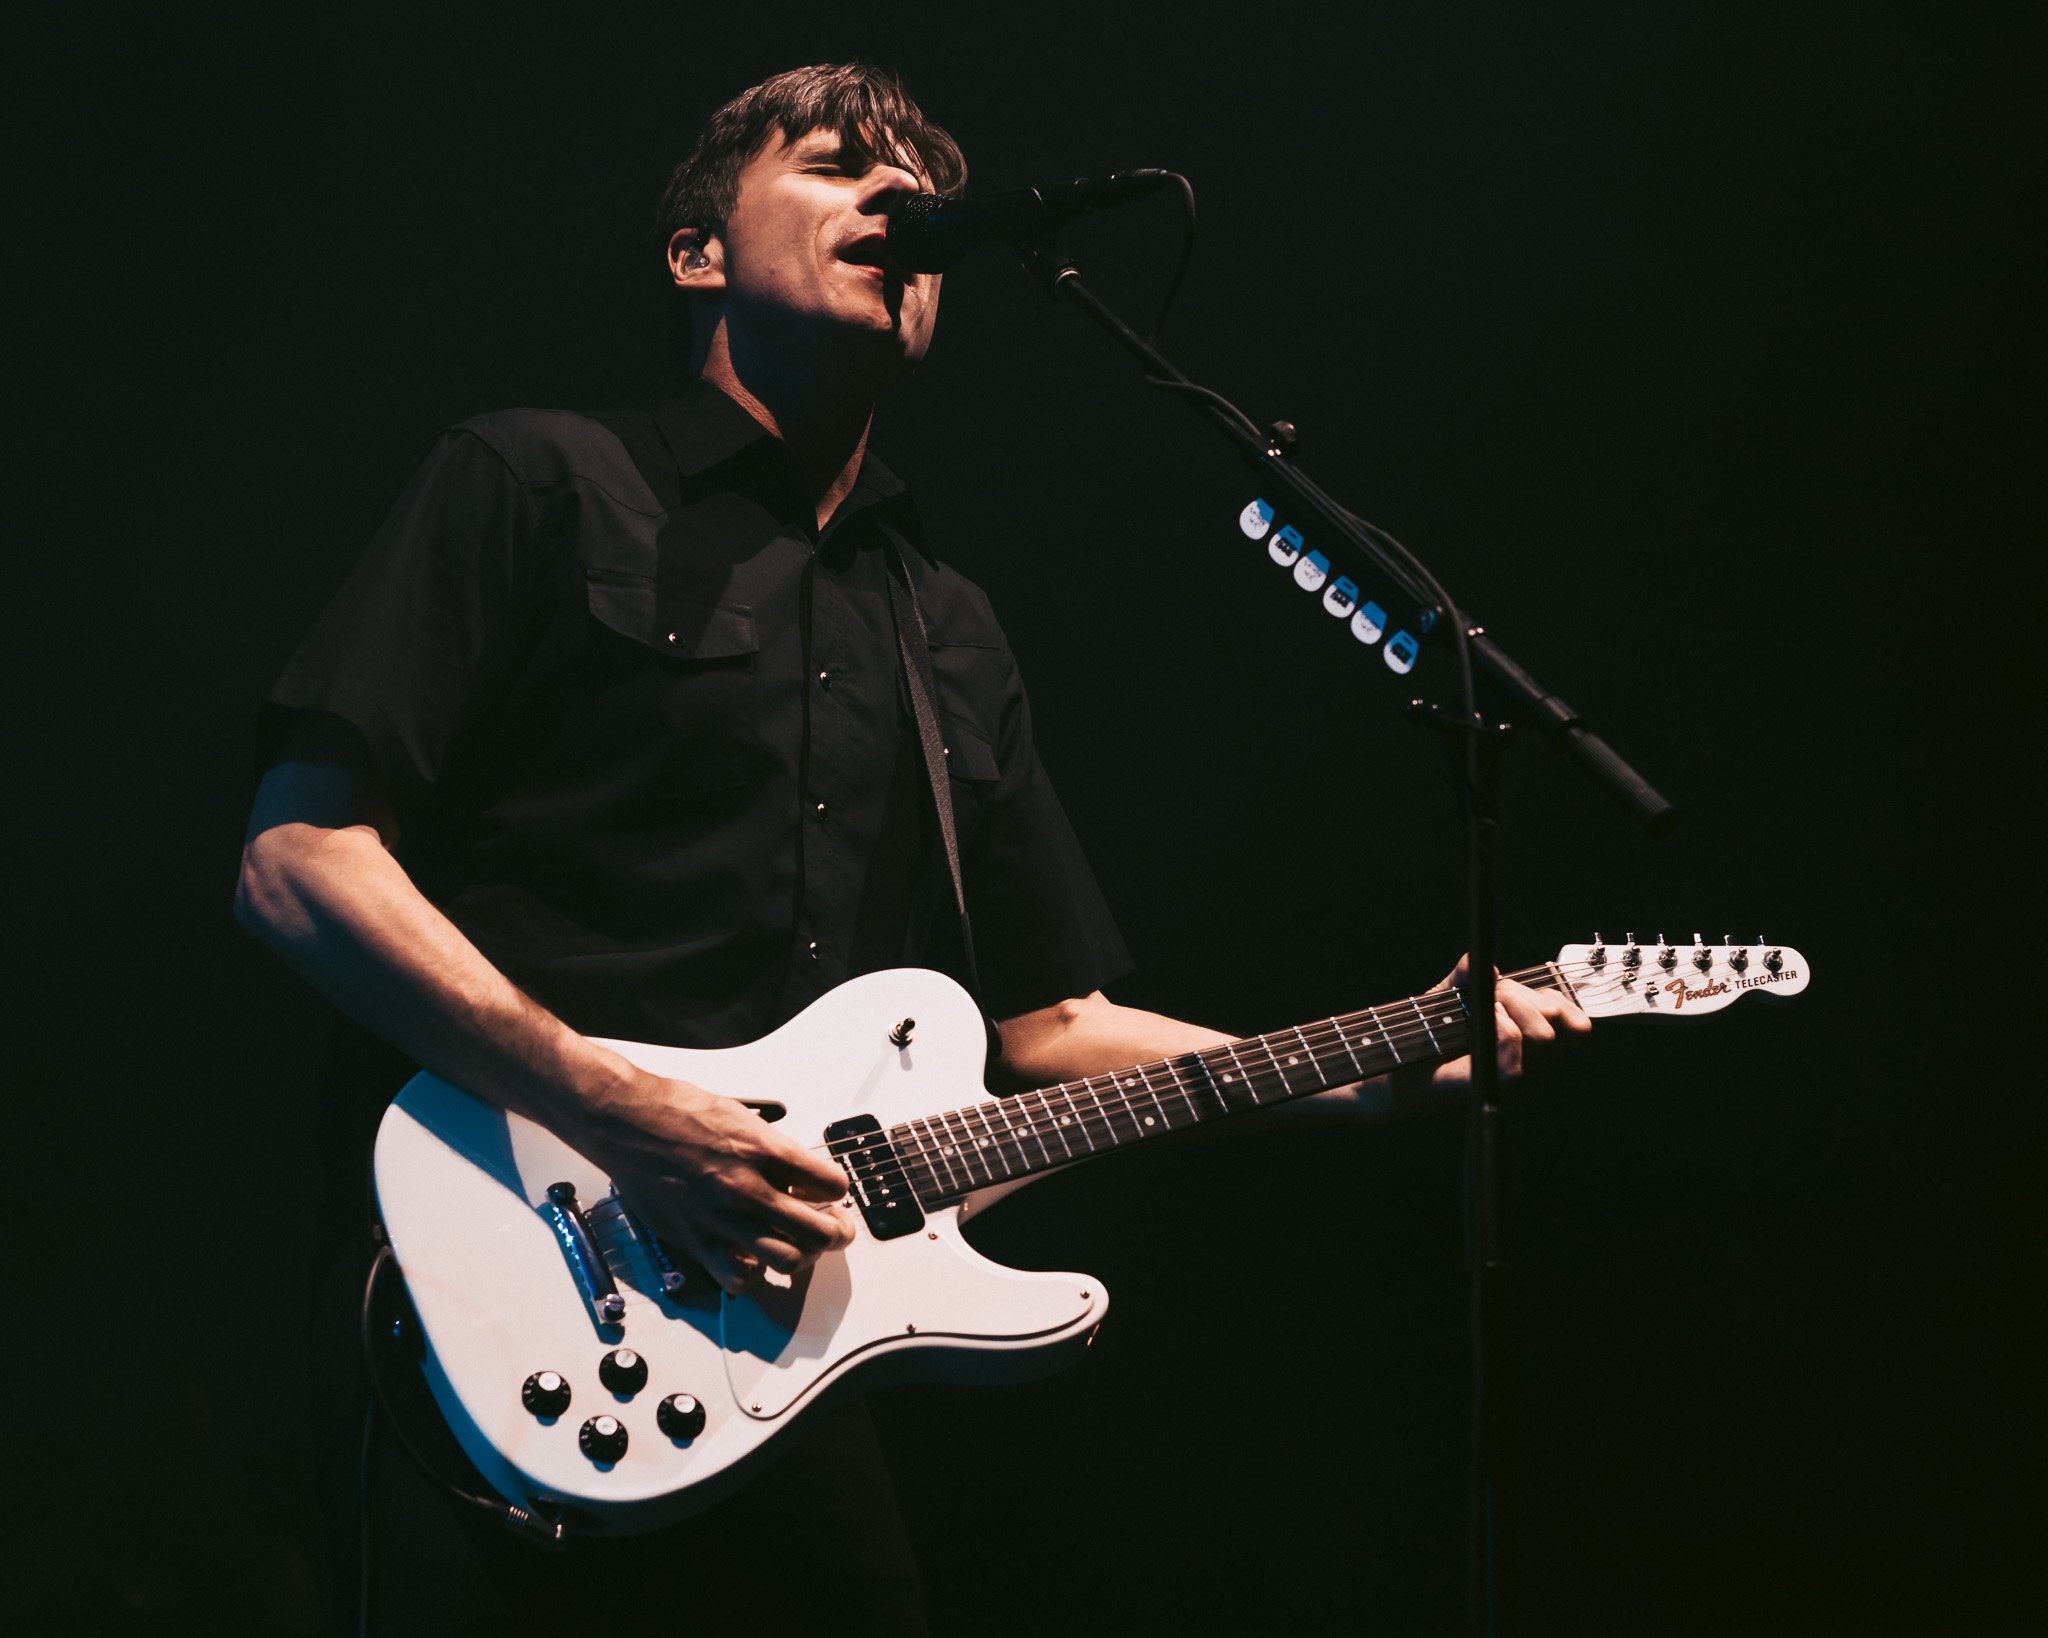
914,239
915,210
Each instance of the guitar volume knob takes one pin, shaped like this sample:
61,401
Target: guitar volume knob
622,1371
602,1439
545,1393
680,1416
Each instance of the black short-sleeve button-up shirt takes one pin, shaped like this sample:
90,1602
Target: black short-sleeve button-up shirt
647,734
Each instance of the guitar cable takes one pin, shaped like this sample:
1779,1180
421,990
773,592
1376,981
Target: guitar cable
522,1522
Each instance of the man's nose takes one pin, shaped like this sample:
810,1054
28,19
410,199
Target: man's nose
885,187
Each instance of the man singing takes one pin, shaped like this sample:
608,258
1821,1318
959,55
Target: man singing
608,735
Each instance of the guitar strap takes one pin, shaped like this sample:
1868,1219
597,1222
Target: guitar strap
912,644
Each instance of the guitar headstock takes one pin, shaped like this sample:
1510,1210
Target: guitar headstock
1676,980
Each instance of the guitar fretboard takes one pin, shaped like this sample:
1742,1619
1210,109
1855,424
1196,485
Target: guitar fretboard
948,1155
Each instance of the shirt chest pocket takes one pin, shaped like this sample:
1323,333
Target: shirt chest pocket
970,680
679,680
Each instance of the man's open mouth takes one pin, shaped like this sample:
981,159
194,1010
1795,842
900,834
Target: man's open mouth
872,251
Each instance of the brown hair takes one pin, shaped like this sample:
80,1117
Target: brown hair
866,107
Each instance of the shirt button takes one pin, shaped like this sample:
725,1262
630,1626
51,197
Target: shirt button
819,810
824,679
814,949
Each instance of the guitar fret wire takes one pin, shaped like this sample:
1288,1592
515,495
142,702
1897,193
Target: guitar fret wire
1386,1035
1080,1119
1187,1096
1037,1131
1350,1049
1234,1058
989,1126
1313,1062
1416,1007
1010,1126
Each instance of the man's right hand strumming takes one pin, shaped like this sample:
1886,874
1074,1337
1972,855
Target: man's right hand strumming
320,885
715,1180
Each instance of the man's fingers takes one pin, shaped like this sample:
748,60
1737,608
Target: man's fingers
764,1209
729,1270
779,1255
807,1173
1528,1022
754,1243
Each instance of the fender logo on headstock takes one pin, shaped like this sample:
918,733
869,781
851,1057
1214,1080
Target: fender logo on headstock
1682,992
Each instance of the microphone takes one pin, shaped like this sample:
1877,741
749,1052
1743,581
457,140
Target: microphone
929,232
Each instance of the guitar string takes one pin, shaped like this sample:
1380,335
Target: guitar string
1311,1037
931,1159
930,1153
1328,1031
938,1164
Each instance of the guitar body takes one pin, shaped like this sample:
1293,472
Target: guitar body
463,1191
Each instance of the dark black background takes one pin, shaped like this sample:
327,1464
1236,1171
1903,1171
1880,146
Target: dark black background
1684,341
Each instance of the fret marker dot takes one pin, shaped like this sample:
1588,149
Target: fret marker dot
1230,1077
1295,1059
1148,1120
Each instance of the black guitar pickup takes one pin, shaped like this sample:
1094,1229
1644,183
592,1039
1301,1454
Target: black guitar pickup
879,1187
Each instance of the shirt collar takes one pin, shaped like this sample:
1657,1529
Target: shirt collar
703,427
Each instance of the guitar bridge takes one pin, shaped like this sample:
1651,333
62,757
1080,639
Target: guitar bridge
875,1173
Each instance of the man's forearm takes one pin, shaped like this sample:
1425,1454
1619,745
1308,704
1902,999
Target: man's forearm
340,909
1092,1035
710,1176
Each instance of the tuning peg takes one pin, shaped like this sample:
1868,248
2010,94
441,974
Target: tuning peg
1738,956
1667,958
1633,955
1596,955
1773,959
1702,957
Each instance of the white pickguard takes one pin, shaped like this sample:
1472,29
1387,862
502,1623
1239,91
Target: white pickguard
461,1187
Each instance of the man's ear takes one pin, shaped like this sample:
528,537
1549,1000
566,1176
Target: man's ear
696,261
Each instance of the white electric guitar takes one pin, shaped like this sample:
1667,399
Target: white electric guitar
588,1375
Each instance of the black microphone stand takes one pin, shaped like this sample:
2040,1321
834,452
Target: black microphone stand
1481,742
